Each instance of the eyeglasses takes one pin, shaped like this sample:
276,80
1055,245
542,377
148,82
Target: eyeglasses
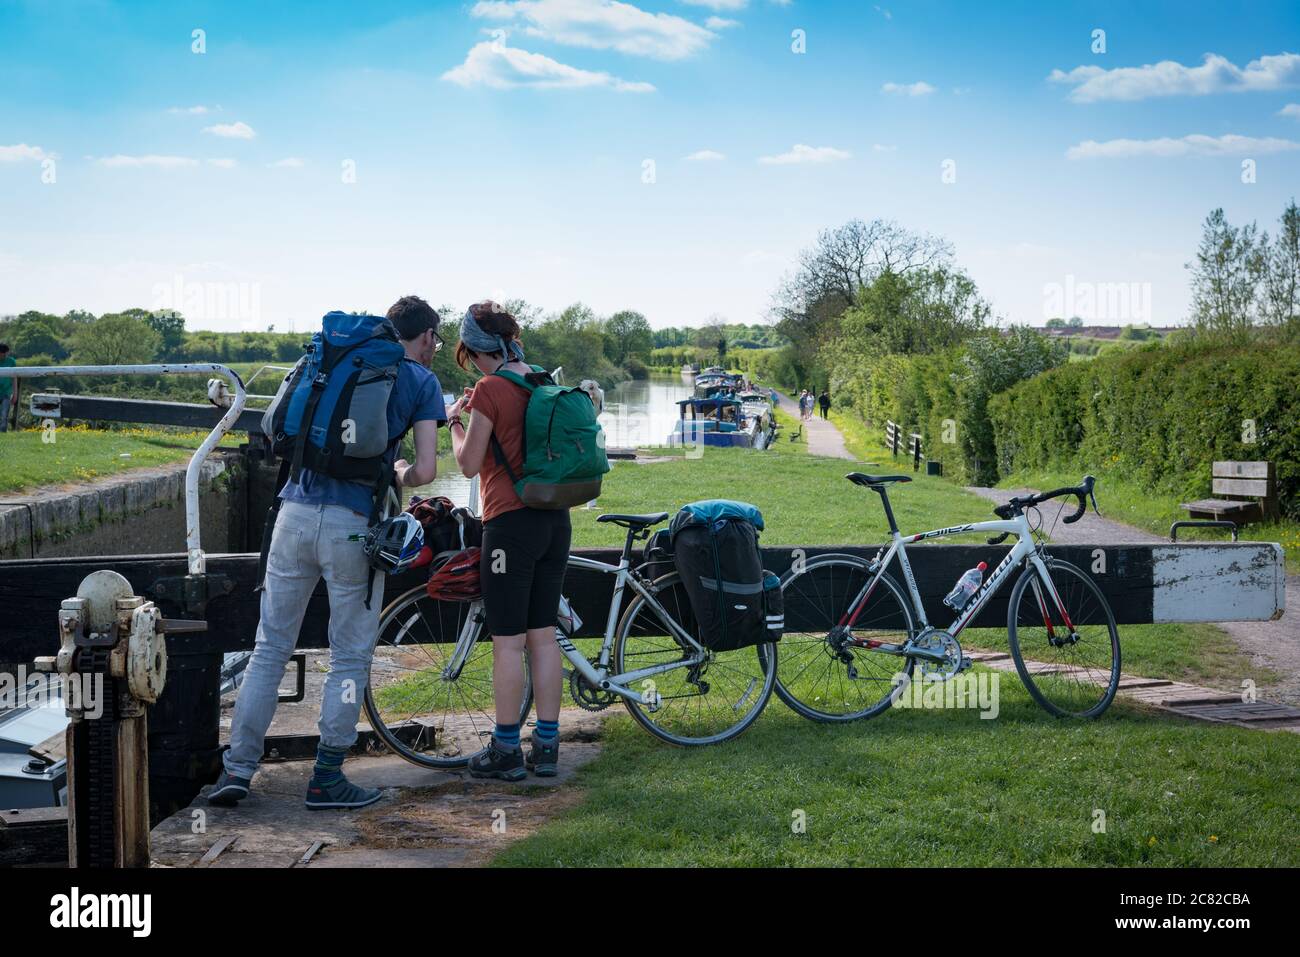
438,341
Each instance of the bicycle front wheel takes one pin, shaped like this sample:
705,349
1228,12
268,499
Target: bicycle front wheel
702,703
420,704
1070,668
827,671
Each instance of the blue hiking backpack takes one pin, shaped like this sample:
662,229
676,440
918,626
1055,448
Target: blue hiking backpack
330,414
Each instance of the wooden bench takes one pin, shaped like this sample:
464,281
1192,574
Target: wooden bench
1250,490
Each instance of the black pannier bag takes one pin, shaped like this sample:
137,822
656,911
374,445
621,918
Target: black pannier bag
715,548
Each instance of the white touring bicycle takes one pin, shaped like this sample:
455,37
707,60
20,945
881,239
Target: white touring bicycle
852,632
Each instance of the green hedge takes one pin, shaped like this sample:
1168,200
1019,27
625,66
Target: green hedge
1160,414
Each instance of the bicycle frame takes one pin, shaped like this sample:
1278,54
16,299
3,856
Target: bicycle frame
598,675
1024,552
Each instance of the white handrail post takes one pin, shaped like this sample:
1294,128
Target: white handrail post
196,562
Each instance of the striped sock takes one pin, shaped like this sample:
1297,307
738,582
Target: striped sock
546,731
507,734
329,765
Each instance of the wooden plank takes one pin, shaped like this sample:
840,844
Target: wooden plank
1218,506
152,411
52,750
1254,488
1252,470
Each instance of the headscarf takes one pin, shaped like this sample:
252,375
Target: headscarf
478,339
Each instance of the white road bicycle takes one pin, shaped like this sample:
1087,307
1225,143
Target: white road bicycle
852,631
430,693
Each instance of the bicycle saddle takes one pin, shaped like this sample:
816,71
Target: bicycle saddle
633,521
858,478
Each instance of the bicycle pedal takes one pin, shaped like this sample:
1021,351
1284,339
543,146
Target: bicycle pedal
853,673
965,665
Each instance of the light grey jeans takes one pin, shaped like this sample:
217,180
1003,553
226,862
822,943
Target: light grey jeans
309,542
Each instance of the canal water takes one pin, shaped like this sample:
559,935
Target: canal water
638,412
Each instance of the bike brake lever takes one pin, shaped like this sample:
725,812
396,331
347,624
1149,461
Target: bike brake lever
1093,496
999,539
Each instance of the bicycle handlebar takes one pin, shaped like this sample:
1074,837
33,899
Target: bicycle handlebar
1083,492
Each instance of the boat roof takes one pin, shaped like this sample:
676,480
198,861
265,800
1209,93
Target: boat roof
710,401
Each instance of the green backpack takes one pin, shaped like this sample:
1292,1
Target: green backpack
564,446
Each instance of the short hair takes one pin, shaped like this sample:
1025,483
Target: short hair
412,316
4,347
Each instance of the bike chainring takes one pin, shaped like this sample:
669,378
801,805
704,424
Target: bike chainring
588,696
934,640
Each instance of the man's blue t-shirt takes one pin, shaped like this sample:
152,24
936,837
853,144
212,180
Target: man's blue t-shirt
416,397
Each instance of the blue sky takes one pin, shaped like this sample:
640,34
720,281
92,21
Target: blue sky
502,149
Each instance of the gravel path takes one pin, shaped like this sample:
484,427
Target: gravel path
1271,644
823,438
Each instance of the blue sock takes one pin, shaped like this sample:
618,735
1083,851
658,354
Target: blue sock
329,764
507,734
546,731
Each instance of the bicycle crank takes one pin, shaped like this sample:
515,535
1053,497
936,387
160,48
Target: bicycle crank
940,655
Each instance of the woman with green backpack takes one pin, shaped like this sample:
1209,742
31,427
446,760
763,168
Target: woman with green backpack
538,451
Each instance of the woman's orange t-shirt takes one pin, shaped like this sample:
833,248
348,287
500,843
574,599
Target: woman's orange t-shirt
504,403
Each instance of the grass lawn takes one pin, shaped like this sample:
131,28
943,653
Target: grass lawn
937,788
79,454
940,787
1134,503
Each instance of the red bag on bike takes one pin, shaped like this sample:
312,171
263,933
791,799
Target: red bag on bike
458,578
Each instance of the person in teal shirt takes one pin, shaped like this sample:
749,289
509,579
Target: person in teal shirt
6,386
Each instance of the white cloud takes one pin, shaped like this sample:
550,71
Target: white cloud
1291,109
191,110
601,25
919,88
705,156
806,154
21,151
719,4
720,23
495,65
222,163
882,148
1168,78
884,13
1194,145
231,131
157,162
289,162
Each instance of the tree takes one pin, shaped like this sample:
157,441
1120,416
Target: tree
1230,263
627,333
1281,305
115,339
924,311
832,272
35,334
170,327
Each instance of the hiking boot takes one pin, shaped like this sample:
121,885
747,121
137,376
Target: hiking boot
341,794
228,791
498,760
543,758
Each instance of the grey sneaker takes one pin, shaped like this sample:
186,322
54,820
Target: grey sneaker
228,791
341,794
498,760
543,758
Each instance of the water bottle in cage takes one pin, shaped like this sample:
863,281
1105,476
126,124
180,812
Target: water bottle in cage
966,586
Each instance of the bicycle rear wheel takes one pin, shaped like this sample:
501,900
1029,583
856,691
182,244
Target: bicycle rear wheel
1071,670
703,703
422,711
823,675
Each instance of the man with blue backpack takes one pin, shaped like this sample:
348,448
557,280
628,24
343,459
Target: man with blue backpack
337,423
